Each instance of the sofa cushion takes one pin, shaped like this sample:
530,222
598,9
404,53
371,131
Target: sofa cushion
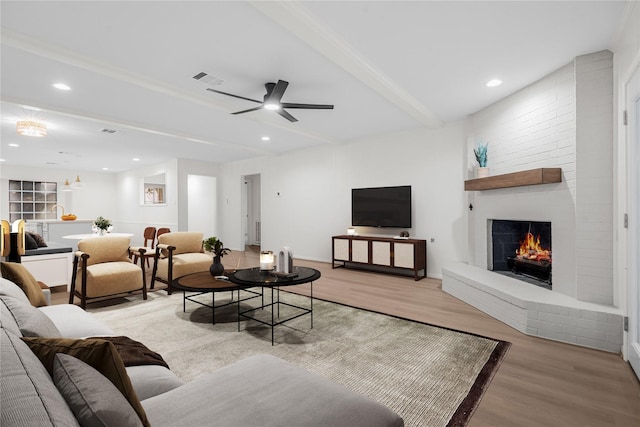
98,353
9,288
267,387
184,264
74,322
31,321
29,242
37,238
152,380
7,321
29,397
19,275
105,249
184,242
92,397
111,278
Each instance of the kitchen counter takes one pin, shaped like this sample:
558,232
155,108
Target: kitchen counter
57,221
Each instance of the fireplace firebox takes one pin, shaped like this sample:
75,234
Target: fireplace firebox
521,249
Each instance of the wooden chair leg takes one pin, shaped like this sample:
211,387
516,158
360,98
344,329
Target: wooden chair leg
170,273
74,275
144,281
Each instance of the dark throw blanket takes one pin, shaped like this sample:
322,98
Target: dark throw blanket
134,353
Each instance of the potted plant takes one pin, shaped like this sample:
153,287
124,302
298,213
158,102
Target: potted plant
102,225
481,156
215,245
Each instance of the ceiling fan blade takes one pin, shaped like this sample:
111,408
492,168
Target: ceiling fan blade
278,91
235,96
286,115
309,106
249,110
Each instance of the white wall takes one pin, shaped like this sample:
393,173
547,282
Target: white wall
134,216
306,195
184,169
97,198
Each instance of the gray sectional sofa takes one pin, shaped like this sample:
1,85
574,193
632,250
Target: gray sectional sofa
257,391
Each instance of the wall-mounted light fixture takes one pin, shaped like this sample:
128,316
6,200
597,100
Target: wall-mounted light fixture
31,128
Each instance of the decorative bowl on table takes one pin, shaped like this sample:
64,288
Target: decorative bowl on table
68,217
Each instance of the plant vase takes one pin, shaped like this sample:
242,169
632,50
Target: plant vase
482,172
216,269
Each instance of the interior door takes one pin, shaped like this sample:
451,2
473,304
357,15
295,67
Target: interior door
633,280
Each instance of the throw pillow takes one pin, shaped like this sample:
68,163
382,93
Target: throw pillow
31,321
30,242
19,275
38,238
94,400
98,353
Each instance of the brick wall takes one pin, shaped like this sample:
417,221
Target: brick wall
563,120
594,174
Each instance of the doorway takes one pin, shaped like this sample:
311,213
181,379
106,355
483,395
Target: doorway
633,213
251,208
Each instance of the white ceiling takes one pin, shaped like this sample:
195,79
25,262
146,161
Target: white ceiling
387,66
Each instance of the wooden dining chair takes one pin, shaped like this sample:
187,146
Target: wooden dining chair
161,231
149,235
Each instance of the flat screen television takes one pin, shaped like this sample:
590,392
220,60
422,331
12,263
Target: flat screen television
381,207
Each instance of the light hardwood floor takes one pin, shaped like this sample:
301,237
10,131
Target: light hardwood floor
540,382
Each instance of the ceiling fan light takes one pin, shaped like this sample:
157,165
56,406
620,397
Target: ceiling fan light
31,128
271,106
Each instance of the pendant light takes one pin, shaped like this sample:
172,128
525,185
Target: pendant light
77,185
66,186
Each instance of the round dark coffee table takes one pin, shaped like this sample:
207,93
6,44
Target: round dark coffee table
254,277
203,282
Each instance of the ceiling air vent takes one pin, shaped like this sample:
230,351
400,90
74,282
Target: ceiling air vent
109,131
208,79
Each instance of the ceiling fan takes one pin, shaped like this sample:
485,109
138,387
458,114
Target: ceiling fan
272,101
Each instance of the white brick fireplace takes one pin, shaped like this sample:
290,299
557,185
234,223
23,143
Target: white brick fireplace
564,120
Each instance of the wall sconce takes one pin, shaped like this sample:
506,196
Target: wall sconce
266,260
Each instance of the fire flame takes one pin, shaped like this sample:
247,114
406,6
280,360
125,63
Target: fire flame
530,249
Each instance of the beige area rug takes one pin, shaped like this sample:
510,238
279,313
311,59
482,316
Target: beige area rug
430,376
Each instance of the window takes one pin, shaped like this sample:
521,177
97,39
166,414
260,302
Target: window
32,200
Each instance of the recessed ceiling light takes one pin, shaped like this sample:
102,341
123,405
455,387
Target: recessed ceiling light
494,83
135,159
265,138
105,169
2,160
61,86
13,145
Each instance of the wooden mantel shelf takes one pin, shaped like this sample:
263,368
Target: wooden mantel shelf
515,179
